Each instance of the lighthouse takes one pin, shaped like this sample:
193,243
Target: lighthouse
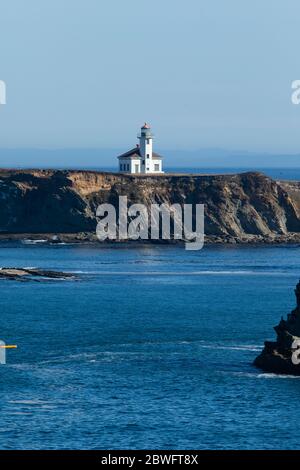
141,159
146,146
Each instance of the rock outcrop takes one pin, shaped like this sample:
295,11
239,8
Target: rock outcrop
283,355
238,208
26,274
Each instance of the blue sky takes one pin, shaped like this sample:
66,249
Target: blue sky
205,74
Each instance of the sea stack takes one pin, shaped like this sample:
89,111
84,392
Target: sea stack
283,355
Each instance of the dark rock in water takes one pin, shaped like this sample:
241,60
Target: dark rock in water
26,274
283,355
55,239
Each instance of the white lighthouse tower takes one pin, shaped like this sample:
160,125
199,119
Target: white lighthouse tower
141,159
146,148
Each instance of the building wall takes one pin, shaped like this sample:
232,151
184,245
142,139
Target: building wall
128,165
152,166
146,148
135,164
154,163
123,165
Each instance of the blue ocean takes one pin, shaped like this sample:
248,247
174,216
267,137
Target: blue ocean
151,347
276,173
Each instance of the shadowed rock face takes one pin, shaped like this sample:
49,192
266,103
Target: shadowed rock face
236,206
283,355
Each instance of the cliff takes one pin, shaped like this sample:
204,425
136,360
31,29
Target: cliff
283,355
238,208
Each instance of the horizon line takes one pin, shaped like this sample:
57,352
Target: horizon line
236,152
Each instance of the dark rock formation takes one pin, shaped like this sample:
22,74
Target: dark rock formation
243,207
26,274
283,355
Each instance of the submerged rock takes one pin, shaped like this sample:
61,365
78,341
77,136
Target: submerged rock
26,274
283,355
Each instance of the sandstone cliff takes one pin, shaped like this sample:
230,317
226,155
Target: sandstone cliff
241,207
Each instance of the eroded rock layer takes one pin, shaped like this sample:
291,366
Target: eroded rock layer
239,207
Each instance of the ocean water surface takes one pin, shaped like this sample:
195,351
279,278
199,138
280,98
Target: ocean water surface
151,347
289,174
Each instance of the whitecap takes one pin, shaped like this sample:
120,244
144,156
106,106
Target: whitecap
33,242
242,347
265,375
29,402
190,273
270,375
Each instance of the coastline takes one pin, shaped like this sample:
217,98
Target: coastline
91,238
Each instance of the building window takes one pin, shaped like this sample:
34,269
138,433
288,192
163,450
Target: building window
121,167
156,167
128,167
143,162
148,141
148,156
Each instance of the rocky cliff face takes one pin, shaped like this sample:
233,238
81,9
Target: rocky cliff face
241,207
283,355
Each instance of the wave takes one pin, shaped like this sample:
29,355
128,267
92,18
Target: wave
265,375
29,402
256,348
186,273
269,375
132,351
33,242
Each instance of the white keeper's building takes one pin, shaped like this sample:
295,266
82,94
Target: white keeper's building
141,159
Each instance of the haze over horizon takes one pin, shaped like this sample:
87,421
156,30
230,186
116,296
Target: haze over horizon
106,158
208,76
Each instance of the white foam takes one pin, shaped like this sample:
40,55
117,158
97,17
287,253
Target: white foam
29,402
270,375
246,347
265,375
33,242
187,273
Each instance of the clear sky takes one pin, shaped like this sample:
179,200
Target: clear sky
204,73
